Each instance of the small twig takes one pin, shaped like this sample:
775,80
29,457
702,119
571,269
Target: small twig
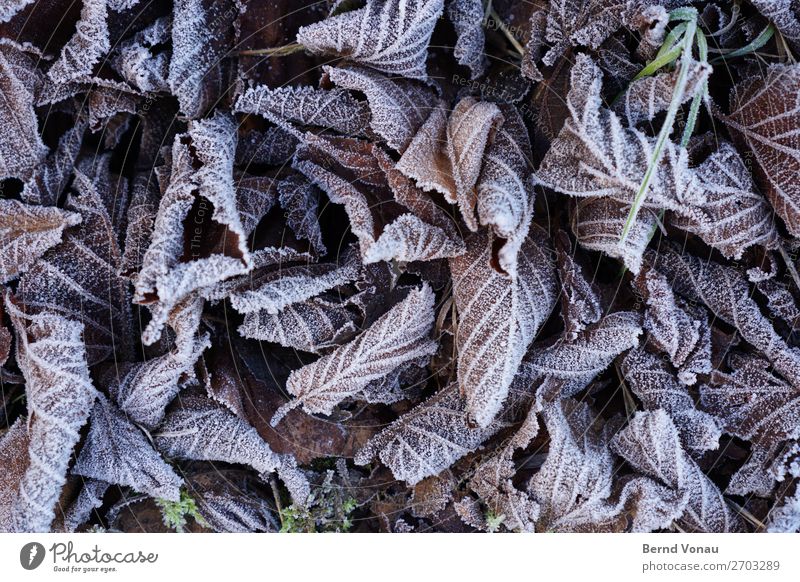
277,495
504,29
278,51
790,266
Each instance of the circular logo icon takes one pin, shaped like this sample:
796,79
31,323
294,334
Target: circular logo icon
31,555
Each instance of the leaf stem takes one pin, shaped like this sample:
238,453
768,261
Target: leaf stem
666,128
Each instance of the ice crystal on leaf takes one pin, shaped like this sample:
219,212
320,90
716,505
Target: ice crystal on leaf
651,444
651,380
468,20
199,72
398,337
753,403
311,326
52,357
300,199
578,361
336,109
726,293
436,433
391,36
647,97
88,45
21,148
79,279
117,452
397,107
144,389
390,216
203,430
675,329
26,232
738,216
580,305
201,178
578,22
499,317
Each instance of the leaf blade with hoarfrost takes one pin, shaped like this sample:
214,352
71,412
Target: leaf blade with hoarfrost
390,36
399,336
499,317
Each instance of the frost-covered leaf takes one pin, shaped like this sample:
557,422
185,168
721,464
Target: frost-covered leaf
52,175
199,69
274,146
300,199
21,147
391,36
739,216
141,216
399,336
651,444
470,129
139,60
436,433
79,278
647,97
598,224
397,107
59,391
595,156
577,362
580,23
144,389
426,158
467,18
14,460
88,45
780,301
498,318
80,511
335,109
580,305
291,285
202,430
228,502
310,326
117,452
255,196
26,232
199,205
764,117
676,329
753,403
574,483
11,8
651,380
785,15
377,198
726,293
505,189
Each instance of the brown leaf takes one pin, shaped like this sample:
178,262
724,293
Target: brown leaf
399,336
764,117
498,318
26,232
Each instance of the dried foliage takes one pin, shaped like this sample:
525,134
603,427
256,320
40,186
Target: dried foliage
399,265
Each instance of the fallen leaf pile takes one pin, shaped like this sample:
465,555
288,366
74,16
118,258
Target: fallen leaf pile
399,265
